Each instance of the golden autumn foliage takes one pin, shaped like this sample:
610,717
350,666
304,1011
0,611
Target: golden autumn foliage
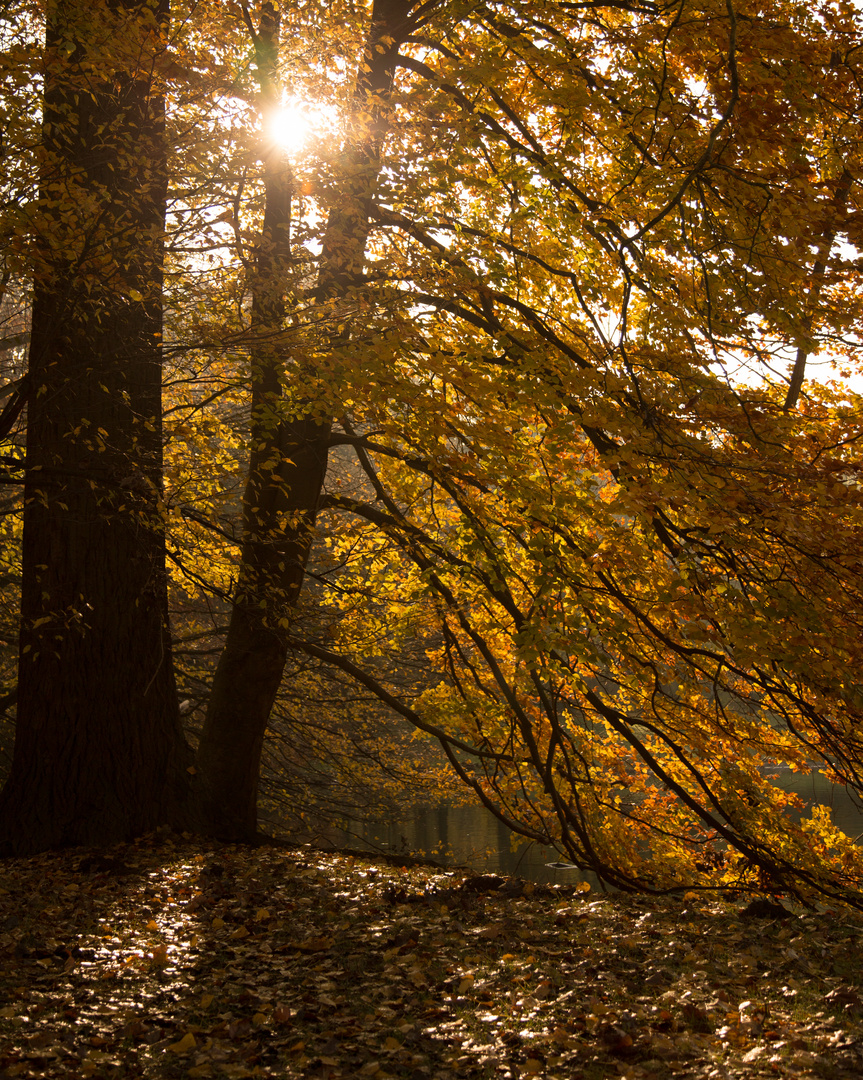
569,292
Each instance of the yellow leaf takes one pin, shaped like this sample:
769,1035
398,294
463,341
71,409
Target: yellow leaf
465,984
152,925
217,923
159,956
533,1066
262,915
240,932
185,1045
391,1044
207,1001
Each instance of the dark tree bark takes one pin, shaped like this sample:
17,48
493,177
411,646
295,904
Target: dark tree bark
99,754
288,458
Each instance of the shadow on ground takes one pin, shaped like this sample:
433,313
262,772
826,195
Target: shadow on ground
172,959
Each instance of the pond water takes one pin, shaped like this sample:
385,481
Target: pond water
471,836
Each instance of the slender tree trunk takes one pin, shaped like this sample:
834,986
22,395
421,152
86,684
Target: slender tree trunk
99,753
288,457
804,349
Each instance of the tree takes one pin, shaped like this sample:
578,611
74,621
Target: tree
290,429
98,751
612,552
615,553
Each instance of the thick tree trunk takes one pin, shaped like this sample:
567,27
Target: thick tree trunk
99,754
288,457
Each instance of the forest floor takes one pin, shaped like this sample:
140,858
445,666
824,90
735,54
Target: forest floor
170,958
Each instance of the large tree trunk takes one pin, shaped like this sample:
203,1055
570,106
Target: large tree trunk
99,753
288,457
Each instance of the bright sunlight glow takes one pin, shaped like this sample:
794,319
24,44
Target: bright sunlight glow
299,123
291,126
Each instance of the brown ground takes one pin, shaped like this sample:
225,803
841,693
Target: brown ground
173,959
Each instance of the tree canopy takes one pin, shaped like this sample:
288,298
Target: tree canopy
537,366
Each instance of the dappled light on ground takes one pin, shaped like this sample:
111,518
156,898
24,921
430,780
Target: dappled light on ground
168,959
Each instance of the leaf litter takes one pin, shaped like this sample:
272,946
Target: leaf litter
173,958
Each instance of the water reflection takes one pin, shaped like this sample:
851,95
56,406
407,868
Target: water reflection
471,836
466,836
816,788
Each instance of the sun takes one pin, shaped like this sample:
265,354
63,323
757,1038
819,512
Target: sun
290,126
300,126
